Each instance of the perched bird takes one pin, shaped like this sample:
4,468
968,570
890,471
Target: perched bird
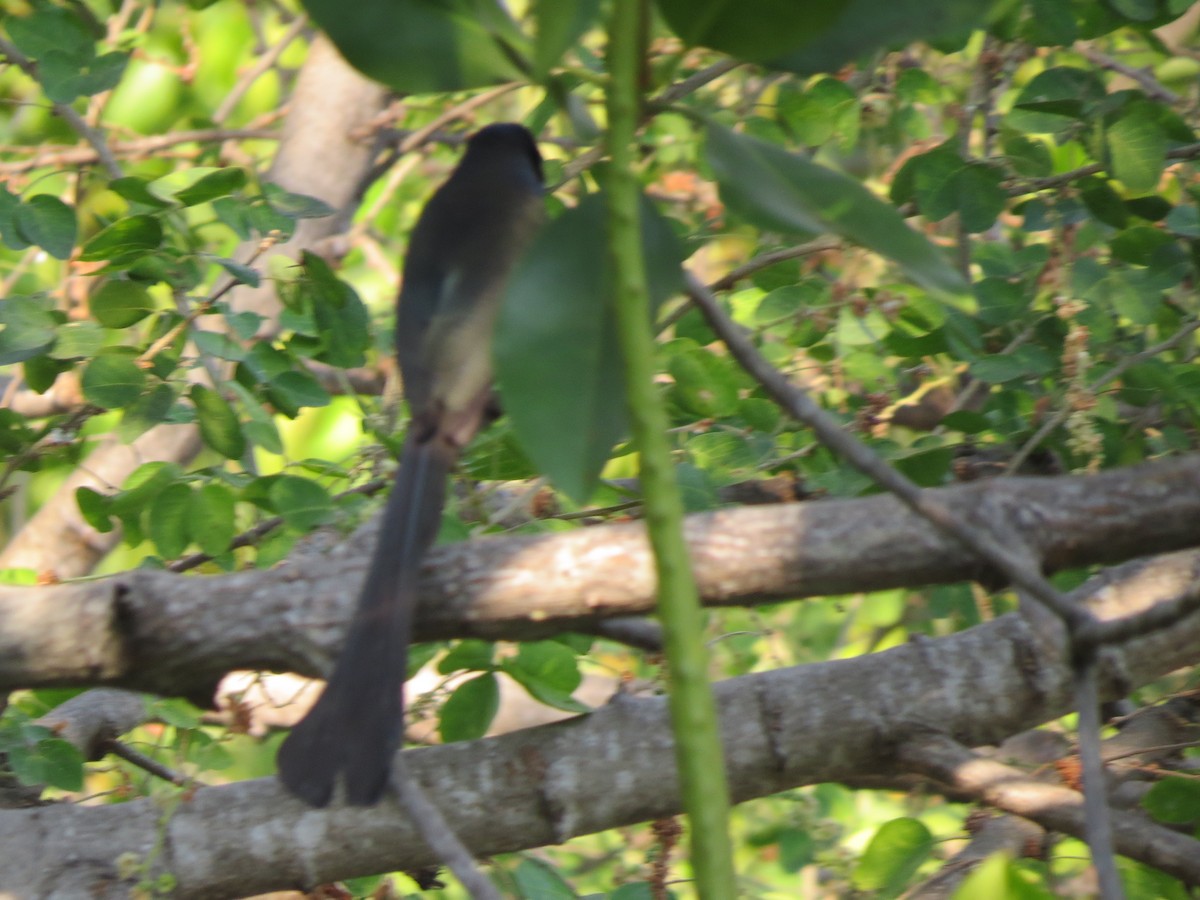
462,251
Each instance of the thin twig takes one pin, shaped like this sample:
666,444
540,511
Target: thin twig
265,62
142,761
67,113
1151,85
437,833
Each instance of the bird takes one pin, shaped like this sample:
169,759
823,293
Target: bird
461,253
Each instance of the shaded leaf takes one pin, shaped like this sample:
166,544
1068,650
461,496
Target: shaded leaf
27,329
218,422
49,223
113,380
130,235
419,46
120,303
779,190
213,524
557,357
303,503
170,520
468,712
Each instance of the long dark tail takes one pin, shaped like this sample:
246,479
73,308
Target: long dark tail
356,725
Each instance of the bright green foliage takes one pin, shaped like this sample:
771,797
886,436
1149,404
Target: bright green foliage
1003,199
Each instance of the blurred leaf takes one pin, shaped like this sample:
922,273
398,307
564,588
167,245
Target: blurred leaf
170,517
807,36
303,503
27,329
705,385
340,316
1174,800
423,46
143,485
535,879
1055,99
218,422
94,507
65,76
468,655
190,187
779,190
549,671
148,410
213,526
893,856
218,344
120,303
50,28
137,190
1138,149
557,357
559,25
113,380
50,761
468,712
242,273
49,223
130,235
295,206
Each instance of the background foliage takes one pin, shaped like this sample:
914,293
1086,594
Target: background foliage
1039,152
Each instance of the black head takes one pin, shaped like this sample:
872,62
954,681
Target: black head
507,137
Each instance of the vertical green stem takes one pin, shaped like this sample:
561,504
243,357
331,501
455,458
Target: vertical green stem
698,753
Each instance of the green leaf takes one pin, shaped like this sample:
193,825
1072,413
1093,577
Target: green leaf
213,525
261,428
1054,100
809,36
559,25
95,509
137,190
10,204
557,357
51,761
705,385
189,187
49,223
120,303
77,340
893,856
826,109
170,520
469,711
419,46
143,485
293,390
295,206
535,880
27,329
174,712
218,422
150,409
468,655
1138,149
65,77
218,344
340,316
50,28
113,380
549,671
242,273
304,504
130,236
1175,801
780,191
941,182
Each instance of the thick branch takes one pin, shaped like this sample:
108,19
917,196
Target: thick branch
611,768
177,634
